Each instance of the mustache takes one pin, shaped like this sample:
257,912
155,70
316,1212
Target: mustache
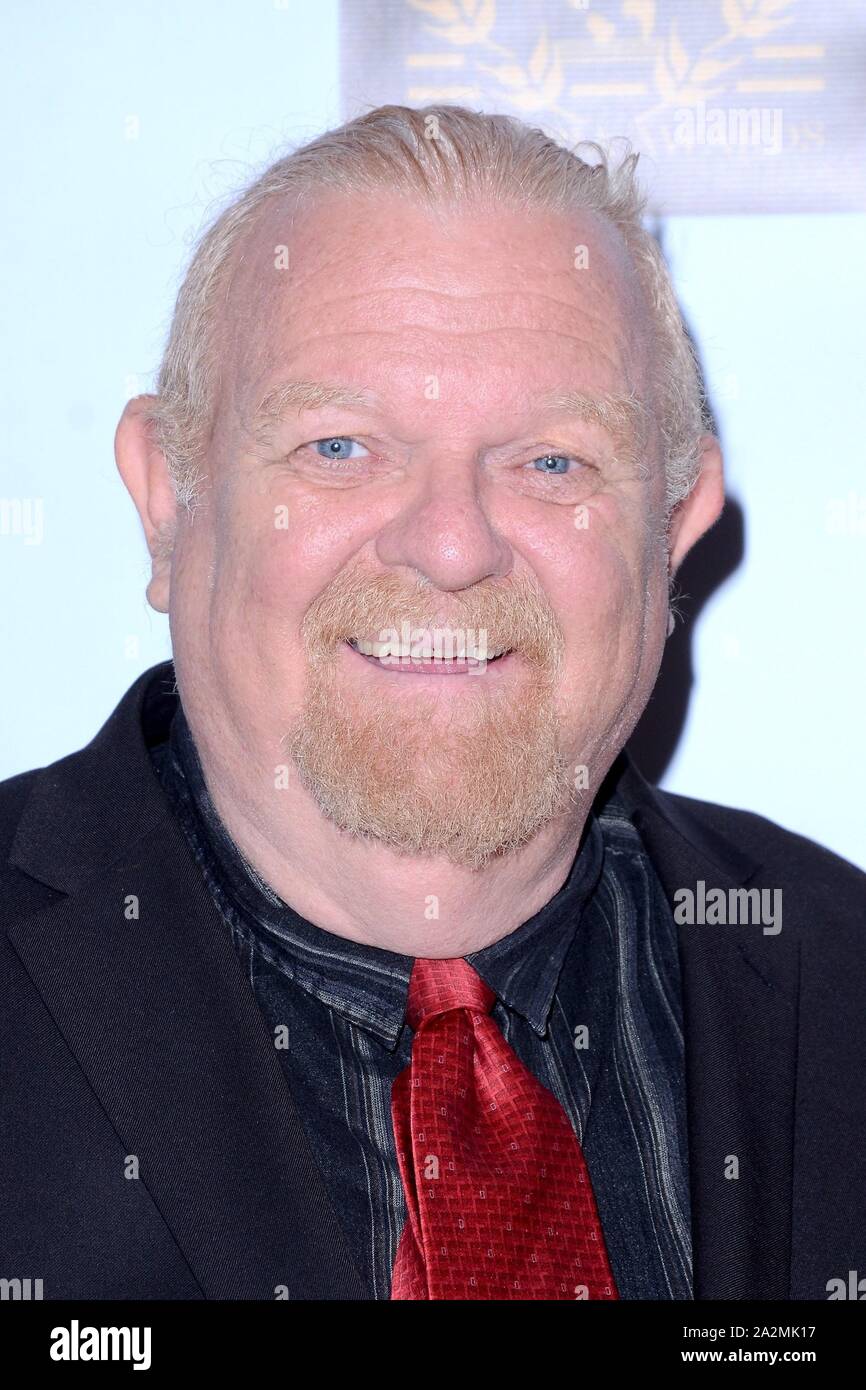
513,612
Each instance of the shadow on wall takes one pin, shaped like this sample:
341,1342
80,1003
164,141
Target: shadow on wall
705,569
712,561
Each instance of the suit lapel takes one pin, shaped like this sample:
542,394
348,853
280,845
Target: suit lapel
139,973
740,1018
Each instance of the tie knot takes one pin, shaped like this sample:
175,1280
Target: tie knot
436,986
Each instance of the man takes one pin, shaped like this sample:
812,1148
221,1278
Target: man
353,959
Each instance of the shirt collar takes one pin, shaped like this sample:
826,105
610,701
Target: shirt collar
367,984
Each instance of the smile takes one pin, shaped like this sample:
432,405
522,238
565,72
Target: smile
403,663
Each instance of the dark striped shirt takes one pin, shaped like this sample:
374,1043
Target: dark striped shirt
587,995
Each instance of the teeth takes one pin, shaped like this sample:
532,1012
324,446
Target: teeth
409,651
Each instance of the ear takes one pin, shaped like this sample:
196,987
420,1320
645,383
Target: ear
695,514
143,468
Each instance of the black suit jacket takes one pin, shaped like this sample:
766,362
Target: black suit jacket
134,1044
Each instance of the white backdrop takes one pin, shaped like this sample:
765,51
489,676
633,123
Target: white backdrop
123,122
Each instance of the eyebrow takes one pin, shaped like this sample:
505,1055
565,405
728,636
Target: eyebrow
622,415
304,395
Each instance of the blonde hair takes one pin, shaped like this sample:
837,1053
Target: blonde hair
435,153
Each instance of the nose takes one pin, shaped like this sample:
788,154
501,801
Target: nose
444,533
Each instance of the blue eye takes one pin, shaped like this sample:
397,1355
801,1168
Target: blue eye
338,447
549,463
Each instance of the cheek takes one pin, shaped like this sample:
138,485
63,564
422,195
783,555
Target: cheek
280,580
603,605
606,606
296,548
599,568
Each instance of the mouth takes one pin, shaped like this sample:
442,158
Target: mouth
401,661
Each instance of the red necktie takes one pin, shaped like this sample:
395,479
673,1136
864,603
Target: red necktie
499,1199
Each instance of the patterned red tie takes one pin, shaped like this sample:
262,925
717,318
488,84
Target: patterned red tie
499,1199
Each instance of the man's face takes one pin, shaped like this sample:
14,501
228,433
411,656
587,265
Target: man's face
456,489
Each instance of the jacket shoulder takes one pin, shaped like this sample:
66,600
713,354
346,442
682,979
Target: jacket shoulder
19,893
14,792
785,855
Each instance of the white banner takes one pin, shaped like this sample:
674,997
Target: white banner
736,105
